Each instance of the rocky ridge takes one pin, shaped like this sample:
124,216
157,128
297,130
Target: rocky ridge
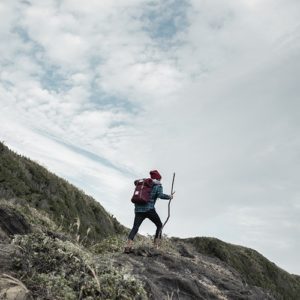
187,275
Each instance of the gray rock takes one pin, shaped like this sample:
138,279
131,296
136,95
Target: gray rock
187,275
13,289
12,222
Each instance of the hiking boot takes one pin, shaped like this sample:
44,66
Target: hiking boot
157,243
128,250
128,247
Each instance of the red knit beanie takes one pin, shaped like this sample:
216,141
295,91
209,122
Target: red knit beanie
155,175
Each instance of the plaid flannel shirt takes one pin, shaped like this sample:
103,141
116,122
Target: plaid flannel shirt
156,192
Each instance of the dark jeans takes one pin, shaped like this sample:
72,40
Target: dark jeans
140,217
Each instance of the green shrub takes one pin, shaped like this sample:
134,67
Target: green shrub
65,270
255,268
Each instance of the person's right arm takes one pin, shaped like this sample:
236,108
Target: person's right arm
160,193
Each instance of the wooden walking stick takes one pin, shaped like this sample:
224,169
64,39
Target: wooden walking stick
169,205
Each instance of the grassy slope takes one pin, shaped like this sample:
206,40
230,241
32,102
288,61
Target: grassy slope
29,183
255,268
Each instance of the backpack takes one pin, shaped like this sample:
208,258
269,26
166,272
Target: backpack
142,192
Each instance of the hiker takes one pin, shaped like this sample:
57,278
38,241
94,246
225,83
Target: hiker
147,210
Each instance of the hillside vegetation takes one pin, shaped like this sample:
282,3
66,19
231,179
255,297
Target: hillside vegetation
58,243
254,267
27,183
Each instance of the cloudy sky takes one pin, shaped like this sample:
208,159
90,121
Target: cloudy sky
101,92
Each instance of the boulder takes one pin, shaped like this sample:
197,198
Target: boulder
12,222
13,289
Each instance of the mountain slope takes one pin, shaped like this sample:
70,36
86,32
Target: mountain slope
43,256
25,182
182,273
254,268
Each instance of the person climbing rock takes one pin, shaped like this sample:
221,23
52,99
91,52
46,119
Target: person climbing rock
146,193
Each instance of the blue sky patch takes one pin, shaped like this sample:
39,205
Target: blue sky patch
22,33
101,100
164,20
53,80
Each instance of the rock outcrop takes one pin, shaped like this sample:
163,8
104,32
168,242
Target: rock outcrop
188,275
13,289
12,223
